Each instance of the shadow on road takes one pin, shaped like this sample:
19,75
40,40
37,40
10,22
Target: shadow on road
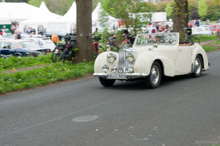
139,85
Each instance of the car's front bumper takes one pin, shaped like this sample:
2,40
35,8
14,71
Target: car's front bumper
120,75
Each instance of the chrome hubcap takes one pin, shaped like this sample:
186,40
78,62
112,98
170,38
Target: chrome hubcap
155,74
197,65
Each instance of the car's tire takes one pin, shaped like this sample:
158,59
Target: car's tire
154,78
106,83
197,66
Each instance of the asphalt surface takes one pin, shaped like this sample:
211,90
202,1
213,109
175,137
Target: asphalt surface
183,111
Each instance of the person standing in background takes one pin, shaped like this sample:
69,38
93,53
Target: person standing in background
1,31
55,39
153,29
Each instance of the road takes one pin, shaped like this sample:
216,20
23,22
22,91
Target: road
183,111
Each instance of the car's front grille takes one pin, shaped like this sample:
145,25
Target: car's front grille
121,63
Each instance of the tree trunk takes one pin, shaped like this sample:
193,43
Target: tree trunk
84,29
180,17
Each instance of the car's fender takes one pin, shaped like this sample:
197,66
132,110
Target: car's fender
199,50
145,60
102,59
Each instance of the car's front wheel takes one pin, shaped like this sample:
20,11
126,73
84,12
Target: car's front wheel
197,66
105,82
154,78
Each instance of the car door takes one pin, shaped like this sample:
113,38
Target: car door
184,59
7,48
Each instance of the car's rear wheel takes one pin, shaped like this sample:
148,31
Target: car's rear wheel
197,66
105,82
154,78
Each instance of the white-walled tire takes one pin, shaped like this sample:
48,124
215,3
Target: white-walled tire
154,78
197,66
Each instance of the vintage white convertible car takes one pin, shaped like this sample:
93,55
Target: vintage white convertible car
151,57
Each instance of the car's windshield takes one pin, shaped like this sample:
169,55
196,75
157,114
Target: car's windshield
157,38
29,44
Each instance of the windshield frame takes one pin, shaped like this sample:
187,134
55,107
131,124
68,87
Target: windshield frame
149,39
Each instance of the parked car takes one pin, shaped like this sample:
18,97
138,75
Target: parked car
151,57
60,34
200,31
24,36
43,42
11,48
13,45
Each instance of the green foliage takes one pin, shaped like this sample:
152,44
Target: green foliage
169,10
202,8
128,11
43,76
203,38
26,1
94,3
35,2
76,49
105,36
215,43
161,6
103,18
210,48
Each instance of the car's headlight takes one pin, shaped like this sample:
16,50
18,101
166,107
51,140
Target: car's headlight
129,57
105,68
111,57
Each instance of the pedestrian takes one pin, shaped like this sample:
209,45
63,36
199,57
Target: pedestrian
33,31
207,22
18,35
114,27
200,22
153,29
157,26
55,38
1,31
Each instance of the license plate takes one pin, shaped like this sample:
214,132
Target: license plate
116,76
56,51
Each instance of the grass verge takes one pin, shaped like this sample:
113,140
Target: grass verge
43,76
210,48
15,62
203,38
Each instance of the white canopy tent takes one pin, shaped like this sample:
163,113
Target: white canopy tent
45,18
70,18
95,17
17,11
44,8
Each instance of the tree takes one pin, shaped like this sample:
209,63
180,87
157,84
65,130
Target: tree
35,2
202,8
161,6
127,11
180,16
194,14
193,5
169,10
84,28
